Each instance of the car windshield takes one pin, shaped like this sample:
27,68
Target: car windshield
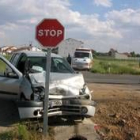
58,65
81,54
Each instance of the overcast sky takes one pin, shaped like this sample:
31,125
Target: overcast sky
100,24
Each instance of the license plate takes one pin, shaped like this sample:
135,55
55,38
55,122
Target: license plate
55,103
80,65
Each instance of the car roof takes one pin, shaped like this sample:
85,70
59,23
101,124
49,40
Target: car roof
38,53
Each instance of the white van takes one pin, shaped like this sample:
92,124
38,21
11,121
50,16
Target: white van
82,59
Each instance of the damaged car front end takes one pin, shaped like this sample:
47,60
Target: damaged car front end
65,99
57,107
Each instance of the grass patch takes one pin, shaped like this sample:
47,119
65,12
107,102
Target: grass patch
3,65
19,133
6,136
25,132
116,66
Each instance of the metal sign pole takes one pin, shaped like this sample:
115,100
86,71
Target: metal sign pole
46,99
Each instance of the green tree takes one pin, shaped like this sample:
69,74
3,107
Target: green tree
133,54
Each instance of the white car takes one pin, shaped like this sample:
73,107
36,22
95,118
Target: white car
24,80
64,81
82,59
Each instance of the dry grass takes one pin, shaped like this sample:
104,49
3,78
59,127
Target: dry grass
118,111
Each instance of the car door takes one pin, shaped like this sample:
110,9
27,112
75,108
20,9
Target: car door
10,80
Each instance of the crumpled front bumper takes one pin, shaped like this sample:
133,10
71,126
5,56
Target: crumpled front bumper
66,107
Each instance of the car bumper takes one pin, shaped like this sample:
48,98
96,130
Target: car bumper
80,66
34,109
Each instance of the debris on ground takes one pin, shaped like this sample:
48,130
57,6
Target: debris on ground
117,111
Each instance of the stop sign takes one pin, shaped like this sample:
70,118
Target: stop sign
49,33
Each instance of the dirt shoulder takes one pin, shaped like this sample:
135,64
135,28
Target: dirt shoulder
117,111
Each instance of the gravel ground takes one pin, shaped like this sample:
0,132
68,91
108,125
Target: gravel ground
117,112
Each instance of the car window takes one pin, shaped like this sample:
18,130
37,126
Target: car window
15,59
37,61
81,54
59,65
3,70
21,64
2,67
12,58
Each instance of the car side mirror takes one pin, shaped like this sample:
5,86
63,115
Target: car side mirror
12,75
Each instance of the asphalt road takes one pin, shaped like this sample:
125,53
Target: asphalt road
111,78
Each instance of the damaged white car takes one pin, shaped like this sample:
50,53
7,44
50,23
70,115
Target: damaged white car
25,81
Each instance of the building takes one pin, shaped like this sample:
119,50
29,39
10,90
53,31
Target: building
68,46
112,52
7,49
121,56
115,54
10,49
27,48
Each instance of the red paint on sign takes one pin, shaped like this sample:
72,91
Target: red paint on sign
49,33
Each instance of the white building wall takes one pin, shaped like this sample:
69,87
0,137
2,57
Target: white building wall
68,46
120,56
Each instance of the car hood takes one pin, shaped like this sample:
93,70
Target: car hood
64,84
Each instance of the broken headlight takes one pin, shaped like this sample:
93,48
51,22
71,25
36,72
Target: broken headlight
39,93
83,90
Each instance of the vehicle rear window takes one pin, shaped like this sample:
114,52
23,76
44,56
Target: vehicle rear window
81,54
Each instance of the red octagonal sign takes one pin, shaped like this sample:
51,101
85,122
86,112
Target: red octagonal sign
49,33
